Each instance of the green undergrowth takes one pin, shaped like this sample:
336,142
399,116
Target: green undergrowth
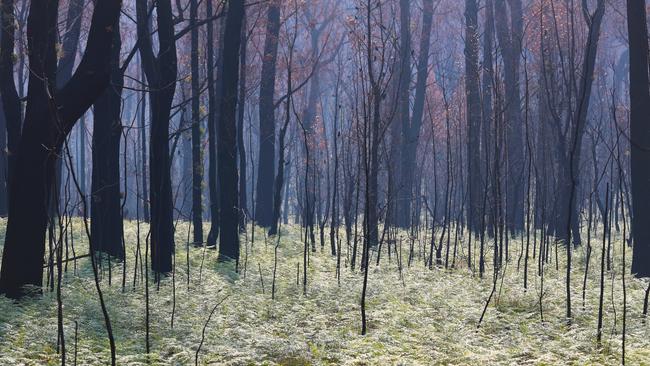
415,317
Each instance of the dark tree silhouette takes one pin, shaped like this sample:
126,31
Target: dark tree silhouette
509,30
227,135
473,114
640,135
197,155
160,71
106,225
402,194
50,115
241,148
212,130
412,130
266,164
10,101
4,176
69,46
278,185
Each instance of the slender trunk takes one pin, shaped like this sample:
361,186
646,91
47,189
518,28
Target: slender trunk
212,132
473,113
279,178
241,148
143,151
399,192
197,155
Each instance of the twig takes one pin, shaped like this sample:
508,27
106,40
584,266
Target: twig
196,358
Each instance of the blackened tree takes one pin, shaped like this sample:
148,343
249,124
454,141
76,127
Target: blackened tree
227,136
12,110
160,71
266,165
640,135
106,225
50,115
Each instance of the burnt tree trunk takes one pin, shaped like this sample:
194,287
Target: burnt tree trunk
266,164
106,225
4,176
214,97
509,27
411,135
279,178
640,135
51,113
161,72
212,133
197,156
241,147
399,190
69,47
487,130
143,151
473,115
569,159
227,136
309,120
10,100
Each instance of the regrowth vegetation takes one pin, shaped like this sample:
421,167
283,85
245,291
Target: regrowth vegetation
416,316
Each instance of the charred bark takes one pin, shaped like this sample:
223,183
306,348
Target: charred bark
266,164
49,117
227,132
106,225
10,100
161,72
197,155
640,135
509,30
473,114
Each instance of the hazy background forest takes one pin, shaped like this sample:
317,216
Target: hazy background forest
324,182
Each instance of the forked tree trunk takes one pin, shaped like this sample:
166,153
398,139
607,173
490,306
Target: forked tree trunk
69,47
49,117
509,30
412,133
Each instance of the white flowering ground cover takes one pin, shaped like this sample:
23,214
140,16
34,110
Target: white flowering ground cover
421,317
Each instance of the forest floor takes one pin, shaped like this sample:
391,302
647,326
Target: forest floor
421,317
